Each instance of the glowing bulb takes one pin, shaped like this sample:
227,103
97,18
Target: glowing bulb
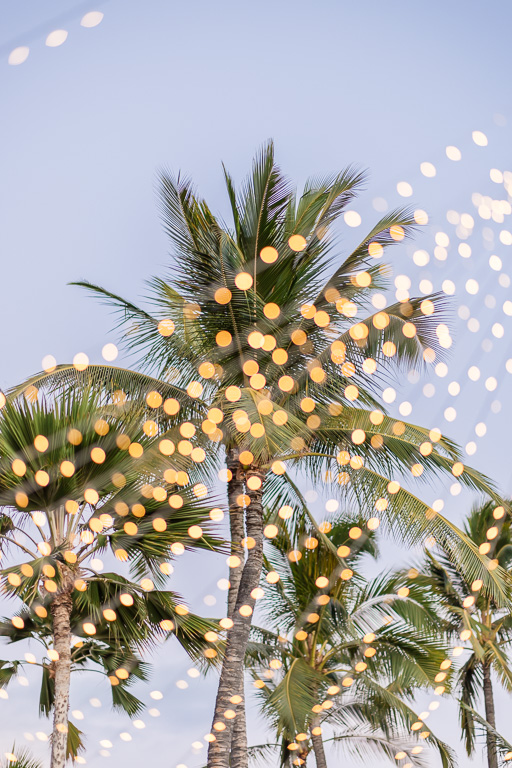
18,55
92,19
56,38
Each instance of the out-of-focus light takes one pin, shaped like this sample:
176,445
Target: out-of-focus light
48,363
18,55
428,170
56,38
404,189
109,352
92,19
453,153
352,218
479,138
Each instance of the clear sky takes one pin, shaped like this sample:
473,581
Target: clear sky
87,125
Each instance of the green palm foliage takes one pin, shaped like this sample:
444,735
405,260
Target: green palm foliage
20,758
339,651
269,344
79,478
470,612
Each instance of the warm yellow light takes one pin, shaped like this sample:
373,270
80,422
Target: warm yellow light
269,342
135,450
358,332
375,250
297,243
171,406
41,443
389,348
255,339
299,337
154,399
286,383
42,478
317,374
19,467
358,436
223,338
381,320
21,499
269,254
243,281
194,389
258,381
397,232
233,394
222,295
80,361
98,455
271,311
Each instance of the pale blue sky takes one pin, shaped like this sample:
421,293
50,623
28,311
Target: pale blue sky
86,127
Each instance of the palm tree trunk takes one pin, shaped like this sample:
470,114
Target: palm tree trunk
61,608
236,487
490,716
239,754
231,677
318,747
236,525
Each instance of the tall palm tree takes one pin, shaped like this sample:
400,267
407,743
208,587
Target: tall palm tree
470,613
261,335
77,478
341,651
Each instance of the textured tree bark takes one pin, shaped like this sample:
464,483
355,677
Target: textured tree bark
236,525
490,716
239,755
61,607
236,487
318,747
231,677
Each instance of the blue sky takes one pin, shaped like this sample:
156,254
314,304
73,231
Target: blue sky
86,127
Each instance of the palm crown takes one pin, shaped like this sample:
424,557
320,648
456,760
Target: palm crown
349,652
257,338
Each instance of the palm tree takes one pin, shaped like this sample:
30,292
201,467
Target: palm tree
259,337
77,478
339,650
470,612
